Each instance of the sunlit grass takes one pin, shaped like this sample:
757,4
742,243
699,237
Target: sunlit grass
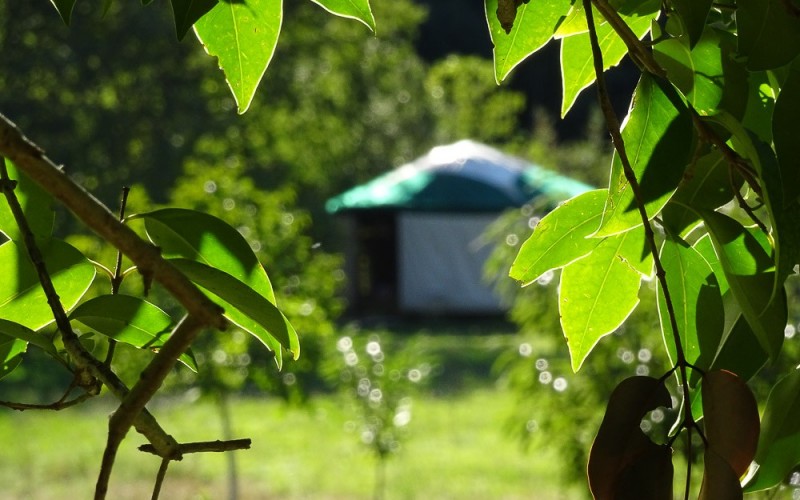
456,450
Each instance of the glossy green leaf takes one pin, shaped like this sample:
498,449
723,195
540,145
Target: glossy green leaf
577,69
696,301
130,320
36,203
242,36
693,14
622,454
64,8
784,122
22,299
351,9
202,237
779,445
705,73
560,237
760,106
11,351
243,306
707,185
533,28
769,36
187,12
731,419
658,140
27,335
597,293
750,273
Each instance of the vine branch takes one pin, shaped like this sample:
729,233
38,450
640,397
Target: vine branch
612,122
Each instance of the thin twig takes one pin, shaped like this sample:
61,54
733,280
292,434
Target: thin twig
116,279
57,406
162,473
149,383
619,145
205,446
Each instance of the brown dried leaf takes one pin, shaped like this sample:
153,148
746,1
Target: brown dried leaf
507,12
620,444
731,419
719,480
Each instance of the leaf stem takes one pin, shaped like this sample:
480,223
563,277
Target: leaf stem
116,279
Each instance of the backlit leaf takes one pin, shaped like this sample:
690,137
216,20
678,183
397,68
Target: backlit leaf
658,140
533,28
750,273
22,299
36,203
202,237
621,445
351,9
706,184
242,35
577,69
768,35
597,293
560,237
244,307
731,419
27,335
11,351
779,445
696,301
64,8
127,319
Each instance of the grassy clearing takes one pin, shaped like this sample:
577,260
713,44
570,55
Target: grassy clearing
457,450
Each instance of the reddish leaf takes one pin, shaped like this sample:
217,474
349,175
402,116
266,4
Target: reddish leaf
731,419
621,452
719,480
650,476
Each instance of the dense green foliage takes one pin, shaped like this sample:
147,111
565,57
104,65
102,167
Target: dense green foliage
702,199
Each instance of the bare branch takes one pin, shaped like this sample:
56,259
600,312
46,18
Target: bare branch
205,446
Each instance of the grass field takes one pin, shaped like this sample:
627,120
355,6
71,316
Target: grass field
456,450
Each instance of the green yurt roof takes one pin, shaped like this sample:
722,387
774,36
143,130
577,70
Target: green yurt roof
465,176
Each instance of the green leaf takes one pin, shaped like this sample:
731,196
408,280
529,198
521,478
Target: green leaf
27,335
243,36
760,106
22,299
187,12
658,139
706,74
533,28
11,351
696,301
624,462
202,237
577,68
597,293
130,320
784,121
351,9
693,14
750,273
706,184
36,203
769,36
779,445
244,307
560,237
64,8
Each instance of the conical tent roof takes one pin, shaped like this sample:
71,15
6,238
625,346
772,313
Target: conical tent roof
465,176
